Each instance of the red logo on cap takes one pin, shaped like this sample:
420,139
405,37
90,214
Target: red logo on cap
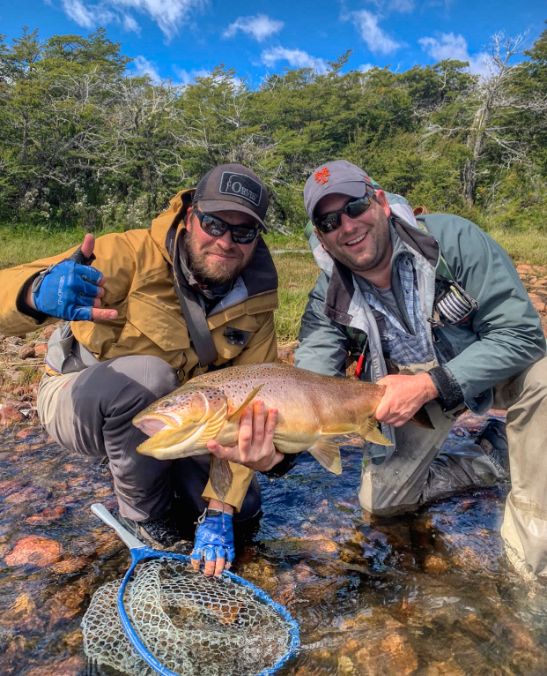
322,175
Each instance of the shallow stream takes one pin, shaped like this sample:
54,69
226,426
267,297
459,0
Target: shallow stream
427,593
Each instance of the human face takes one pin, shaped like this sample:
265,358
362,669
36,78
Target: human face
363,243
217,260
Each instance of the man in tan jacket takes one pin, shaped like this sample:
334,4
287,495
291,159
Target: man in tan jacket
144,311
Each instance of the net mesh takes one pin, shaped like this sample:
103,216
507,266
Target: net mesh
191,623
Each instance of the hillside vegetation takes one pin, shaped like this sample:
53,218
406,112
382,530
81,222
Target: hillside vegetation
82,143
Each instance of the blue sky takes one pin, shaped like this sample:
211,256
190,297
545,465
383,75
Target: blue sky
178,40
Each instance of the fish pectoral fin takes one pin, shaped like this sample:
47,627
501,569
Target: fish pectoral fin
213,425
239,410
370,432
327,453
221,476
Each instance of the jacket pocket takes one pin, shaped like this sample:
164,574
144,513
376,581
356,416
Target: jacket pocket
148,321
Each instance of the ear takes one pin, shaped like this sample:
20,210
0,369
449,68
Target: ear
320,237
382,201
188,218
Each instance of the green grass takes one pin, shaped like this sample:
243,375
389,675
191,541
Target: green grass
20,244
297,274
523,247
297,269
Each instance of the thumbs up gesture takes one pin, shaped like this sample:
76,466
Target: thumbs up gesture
72,289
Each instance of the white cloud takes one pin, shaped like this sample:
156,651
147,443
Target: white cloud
142,66
376,39
169,15
79,13
364,67
451,46
187,77
129,24
294,57
259,27
402,6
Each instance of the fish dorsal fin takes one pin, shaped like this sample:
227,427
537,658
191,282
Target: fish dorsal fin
221,476
370,432
239,410
327,453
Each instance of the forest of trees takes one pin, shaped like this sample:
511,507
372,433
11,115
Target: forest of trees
82,142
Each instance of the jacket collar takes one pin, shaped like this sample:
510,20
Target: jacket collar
341,287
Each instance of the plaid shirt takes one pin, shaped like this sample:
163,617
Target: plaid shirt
402,346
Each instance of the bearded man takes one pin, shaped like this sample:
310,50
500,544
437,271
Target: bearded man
145,311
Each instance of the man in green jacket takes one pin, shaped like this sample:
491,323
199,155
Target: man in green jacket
145,311
442,320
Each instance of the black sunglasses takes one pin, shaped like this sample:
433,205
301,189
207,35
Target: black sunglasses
216,227
333,219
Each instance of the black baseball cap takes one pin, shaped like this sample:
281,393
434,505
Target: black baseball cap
233,187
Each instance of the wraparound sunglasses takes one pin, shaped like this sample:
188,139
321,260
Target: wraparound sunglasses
333,219
216,227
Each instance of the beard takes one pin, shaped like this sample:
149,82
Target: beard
213,272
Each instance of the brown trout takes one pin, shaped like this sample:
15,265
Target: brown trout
313,411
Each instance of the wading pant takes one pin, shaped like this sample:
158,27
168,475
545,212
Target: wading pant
418,472
90,412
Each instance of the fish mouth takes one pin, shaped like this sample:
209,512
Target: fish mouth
174,442
152,424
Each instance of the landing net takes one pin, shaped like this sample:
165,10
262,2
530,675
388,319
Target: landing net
192,624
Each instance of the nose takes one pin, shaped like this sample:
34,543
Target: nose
347,223
225,240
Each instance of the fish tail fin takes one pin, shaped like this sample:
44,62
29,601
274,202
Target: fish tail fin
221,476
327,454
370,432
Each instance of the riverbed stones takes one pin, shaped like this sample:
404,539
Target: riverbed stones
36,551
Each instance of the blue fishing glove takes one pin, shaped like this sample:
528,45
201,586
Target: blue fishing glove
214,538
66,290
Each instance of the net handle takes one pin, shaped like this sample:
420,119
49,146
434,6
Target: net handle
128,538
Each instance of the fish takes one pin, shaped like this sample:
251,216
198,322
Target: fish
313,410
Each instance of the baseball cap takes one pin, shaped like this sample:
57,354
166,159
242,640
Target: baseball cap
233,187
339,177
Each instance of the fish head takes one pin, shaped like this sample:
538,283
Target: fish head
181,422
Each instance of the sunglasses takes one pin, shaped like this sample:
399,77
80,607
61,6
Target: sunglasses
333,219
216,227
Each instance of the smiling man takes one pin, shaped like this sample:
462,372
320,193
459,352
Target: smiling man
436,313
145,311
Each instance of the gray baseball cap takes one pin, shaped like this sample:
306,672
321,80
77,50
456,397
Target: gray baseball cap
336,177
233,187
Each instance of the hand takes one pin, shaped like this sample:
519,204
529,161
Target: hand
70,290
214,544
255,447
403,397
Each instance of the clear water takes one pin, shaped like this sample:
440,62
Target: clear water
426,593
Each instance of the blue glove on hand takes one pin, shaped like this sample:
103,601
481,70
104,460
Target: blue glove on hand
214,539
67,290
